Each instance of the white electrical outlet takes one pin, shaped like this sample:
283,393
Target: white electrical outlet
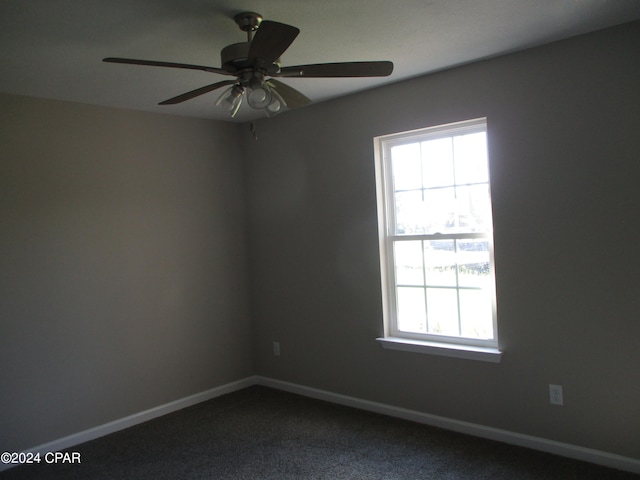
555,395
276,349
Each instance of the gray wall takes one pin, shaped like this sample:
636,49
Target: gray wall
122,265
564,145
123,274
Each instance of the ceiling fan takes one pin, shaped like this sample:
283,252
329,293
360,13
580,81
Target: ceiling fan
256,64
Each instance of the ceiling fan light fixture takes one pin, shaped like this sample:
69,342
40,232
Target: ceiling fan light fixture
273,108
231,99
259,96
276,105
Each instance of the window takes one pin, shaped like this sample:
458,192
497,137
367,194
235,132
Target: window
436,242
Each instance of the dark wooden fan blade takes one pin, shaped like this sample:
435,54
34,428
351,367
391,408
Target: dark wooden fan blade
153,63
292,97
196,92
344,69
270,41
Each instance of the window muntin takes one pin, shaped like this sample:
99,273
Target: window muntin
436,235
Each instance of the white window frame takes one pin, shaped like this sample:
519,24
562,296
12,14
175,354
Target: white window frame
452,346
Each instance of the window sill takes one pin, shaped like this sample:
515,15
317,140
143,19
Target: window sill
468,352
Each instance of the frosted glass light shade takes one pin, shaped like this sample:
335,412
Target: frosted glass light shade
260,96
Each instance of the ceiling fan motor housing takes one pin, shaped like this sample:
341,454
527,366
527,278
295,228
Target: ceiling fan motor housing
235,57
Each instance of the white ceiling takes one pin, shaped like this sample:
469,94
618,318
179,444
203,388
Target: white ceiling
53,49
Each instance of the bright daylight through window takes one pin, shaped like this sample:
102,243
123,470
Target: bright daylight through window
436,237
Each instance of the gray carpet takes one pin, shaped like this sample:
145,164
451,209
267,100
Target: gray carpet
260,433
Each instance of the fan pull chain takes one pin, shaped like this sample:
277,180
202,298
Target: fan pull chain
252,127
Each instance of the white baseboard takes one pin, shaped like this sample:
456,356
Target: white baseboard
536,443
135,419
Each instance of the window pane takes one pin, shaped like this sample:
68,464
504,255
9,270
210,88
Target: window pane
410,213
439,210
475,314
471,158
406,166
411,310
409,266
442,311
473,263
440,262
437,156
474,208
